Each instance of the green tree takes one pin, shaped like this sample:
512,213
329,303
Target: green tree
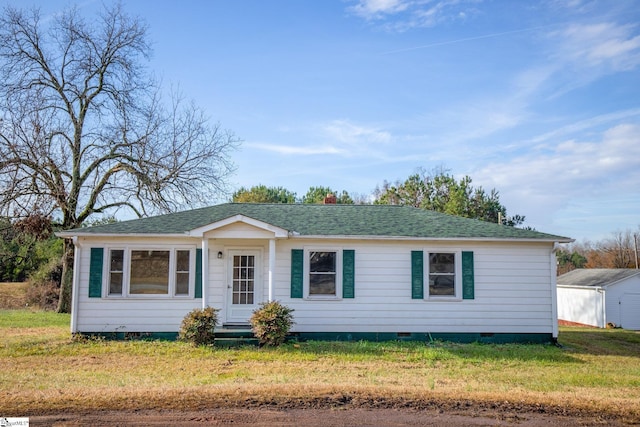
263,194
25,246
441,192
318,194
84,130
569,260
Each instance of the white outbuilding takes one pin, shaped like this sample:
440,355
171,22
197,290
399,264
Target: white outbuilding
600,296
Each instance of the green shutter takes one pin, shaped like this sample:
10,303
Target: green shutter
467,276
417,275
297,272
348,273
95,272
198,290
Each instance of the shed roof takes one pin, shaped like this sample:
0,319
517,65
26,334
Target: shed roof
596,277
325,220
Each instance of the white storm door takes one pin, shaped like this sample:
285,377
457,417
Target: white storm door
244,287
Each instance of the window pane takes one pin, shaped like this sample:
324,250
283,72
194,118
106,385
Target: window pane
182,283
115,284
182,261
117,259
322,284
115,272
441,285
149,272
441,263
322,262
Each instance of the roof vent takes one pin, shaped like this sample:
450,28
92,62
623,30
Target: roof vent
330,199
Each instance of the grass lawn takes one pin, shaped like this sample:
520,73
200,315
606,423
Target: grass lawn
44,371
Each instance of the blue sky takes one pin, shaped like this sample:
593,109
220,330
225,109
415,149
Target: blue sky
540,100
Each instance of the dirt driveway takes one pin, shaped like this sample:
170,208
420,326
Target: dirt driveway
319,417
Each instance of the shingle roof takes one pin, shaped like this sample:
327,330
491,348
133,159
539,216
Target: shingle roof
595,276
326,220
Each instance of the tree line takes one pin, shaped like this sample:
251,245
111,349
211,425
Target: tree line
438,190
619,250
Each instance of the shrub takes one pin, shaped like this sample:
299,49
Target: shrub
43,294
271,323
44,285
198,326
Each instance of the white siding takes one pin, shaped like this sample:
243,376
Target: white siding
513,291
581,305
128,314
618,300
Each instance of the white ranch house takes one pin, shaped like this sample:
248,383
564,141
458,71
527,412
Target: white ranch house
600,296
350,272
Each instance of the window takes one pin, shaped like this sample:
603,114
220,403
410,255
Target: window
182,272
116,271
150,272
442,274
322,273
450,275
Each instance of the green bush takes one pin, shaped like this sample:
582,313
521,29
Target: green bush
271,323
198,326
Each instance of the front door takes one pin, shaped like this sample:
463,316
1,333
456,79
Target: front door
244,285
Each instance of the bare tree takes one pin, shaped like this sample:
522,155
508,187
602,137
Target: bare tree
84,130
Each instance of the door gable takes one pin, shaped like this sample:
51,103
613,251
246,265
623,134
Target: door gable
239,226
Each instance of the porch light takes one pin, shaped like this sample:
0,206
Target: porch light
219,254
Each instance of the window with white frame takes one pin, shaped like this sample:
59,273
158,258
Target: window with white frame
323,277
443,272
150,272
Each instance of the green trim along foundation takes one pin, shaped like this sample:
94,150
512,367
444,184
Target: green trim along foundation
245,336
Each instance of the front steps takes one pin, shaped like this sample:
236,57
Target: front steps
234,336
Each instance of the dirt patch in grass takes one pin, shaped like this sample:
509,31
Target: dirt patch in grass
13,295
328,417
334,409
246,405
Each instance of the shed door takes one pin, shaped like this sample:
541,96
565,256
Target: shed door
630,311
244,285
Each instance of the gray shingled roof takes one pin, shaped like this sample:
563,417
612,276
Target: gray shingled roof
595,276
326,220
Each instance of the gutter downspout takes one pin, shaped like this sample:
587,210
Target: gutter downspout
205,272
74,285
553,264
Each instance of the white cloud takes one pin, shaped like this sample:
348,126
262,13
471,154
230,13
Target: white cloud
348,133
375,9
539,184
338,137
297,150
603,44
402,15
